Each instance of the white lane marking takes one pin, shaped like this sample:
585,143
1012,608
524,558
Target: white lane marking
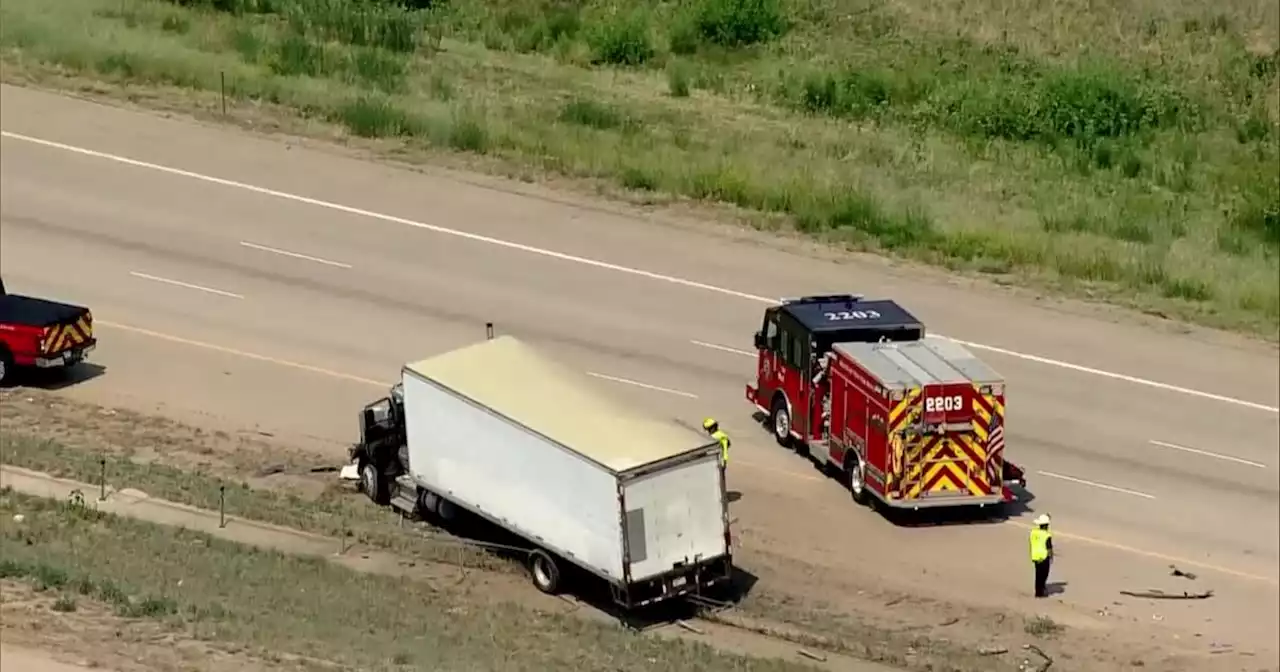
295,255
179,283
723,348
1118,376
586,261
1095,484
647,386
1206,453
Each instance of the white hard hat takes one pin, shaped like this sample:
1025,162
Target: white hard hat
1041,520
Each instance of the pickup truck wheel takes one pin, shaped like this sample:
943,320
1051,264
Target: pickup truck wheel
544,572
780,422
6,366
857,480
373,484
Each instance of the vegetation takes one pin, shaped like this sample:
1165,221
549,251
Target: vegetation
336,513
1127,150
282,604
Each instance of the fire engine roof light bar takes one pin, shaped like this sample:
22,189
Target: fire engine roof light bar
824,298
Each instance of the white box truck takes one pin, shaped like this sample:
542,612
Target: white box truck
510,435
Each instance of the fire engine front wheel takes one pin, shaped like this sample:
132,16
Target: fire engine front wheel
780,422
544,572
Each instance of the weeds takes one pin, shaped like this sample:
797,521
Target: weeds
874,130
622,39
1042,626
253,598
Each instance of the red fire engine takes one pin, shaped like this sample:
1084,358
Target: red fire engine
909,420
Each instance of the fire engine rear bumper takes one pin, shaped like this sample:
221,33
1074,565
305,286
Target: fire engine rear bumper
939,502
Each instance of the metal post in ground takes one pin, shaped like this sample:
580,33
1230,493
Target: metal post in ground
222,505
102,479
488,330
222,78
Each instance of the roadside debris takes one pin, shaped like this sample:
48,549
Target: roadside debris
992,650
1155,594
1028,665
1174,571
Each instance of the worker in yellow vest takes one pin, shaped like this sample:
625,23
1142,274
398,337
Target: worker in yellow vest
1041,552
713,428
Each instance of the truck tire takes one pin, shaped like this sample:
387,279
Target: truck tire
6,366
544,572
780,422
857,480
428,503
373,483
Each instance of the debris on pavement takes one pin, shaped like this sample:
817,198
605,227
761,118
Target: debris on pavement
1174,571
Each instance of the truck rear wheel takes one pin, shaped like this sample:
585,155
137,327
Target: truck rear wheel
856,479
373,483
6,366
780,422
544,572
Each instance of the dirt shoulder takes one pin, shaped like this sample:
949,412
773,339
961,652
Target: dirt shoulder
495,598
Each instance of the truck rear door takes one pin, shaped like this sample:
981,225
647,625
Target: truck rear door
675,516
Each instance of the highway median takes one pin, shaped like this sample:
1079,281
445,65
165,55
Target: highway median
1141,172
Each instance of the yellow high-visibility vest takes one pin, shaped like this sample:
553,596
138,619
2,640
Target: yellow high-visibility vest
1040,544
723,438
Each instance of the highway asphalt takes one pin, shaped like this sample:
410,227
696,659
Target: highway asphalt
273,285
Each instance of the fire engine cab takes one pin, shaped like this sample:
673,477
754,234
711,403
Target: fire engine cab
907,420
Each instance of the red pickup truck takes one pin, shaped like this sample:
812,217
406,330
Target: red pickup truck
42,333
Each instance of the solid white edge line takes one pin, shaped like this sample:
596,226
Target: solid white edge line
1197,451
723,348
647,386
179,283
1095,484
587,262
295,255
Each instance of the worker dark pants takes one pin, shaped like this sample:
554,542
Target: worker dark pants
1042,576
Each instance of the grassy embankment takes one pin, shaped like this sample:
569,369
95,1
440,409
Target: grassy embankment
1126,150
273,603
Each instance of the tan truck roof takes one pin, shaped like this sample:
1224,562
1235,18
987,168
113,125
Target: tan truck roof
519,382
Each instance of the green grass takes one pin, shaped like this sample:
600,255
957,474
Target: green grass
275,603
337,513
1124,152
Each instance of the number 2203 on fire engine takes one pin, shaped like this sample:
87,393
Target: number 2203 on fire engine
852,315
943,404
